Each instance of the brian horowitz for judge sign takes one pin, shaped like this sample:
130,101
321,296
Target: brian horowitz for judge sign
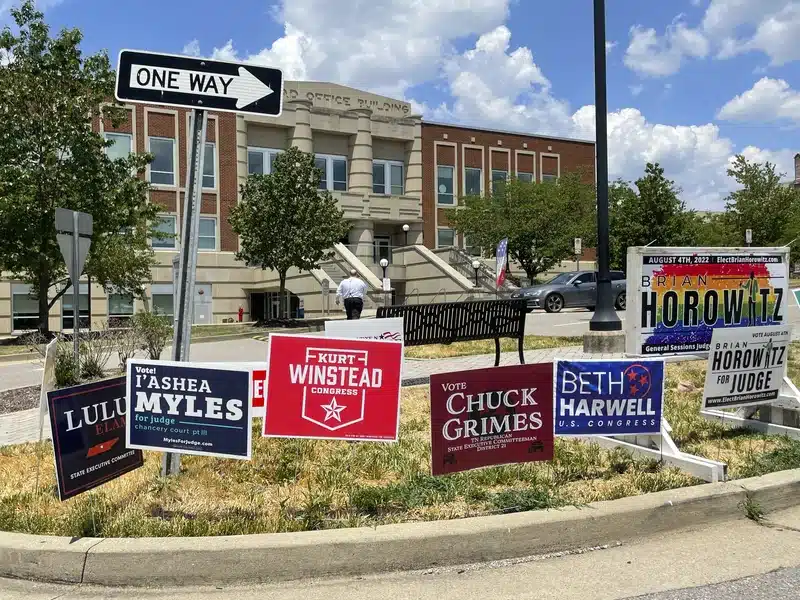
491,417
330,388
746,366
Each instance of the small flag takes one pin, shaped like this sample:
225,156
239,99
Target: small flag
502,256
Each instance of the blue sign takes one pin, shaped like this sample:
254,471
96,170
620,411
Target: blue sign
180,407
609,397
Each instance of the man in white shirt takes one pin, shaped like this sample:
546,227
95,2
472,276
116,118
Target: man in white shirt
352,290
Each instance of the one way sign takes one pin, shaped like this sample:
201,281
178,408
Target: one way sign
167,79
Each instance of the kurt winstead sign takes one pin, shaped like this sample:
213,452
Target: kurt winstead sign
746,366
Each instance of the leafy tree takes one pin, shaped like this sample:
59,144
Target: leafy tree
650,213
762,204
285,220
540,220
50,156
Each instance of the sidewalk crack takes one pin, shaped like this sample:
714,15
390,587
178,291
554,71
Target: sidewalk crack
86,557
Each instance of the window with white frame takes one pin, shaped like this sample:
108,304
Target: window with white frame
547,177
260,161
445,237
120,308
444,185
121,147
387,177
84,312
166,225
526,177
162,169
210,166
472,181
207,235
334,172
162,299
499,178
24,308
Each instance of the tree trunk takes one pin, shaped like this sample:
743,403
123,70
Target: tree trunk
281,294
44,306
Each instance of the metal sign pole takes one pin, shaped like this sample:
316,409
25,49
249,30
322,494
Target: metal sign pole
76,276
170,464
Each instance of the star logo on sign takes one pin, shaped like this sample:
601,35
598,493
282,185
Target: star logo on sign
333,410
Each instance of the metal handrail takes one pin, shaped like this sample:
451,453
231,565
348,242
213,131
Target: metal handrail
405,300
442,290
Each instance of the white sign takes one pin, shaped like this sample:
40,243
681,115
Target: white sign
48,382
366,329
748,236
578,246
746,366
387,284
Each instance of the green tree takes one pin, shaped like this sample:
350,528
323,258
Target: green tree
285,220
652,213
540,220
763,204
50,156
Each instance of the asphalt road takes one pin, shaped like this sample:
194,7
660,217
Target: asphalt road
725,561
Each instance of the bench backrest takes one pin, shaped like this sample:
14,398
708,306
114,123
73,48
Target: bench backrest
449,322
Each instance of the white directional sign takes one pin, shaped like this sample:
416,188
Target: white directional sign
198,83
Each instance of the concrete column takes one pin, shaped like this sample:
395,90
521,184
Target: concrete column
360,179
302,137
241,151
361,238
413,185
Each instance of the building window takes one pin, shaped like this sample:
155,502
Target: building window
471,249
445,237
260,161
472,181
549,177
444,185
121,146
498,180
387,177
526,177
162,299
166,225
84,314
120,309
334,172
207,235
162,169
24,308
209,166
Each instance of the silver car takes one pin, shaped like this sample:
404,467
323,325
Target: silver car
571,290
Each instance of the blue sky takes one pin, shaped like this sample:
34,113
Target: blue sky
691,82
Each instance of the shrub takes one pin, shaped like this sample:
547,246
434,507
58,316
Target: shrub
154,332
66,368
95,351
127,341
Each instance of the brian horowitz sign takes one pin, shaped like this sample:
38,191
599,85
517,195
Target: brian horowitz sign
746,366
180,407
171,80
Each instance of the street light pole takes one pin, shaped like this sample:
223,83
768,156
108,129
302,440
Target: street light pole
605,317
405,231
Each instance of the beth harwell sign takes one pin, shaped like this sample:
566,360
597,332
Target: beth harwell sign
171,80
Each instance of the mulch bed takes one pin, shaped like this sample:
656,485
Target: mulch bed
19,399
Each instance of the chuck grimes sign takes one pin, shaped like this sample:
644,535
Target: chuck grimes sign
746,366
88,425
609,397
181,407
491,417
331,388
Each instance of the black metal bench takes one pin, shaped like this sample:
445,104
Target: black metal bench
449,322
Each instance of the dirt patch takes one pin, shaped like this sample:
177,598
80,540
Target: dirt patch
19,399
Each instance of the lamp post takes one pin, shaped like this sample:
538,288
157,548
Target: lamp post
405,231
476,264
605,317
384,263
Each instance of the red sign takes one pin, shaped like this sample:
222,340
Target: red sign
491,417
330,388
259,380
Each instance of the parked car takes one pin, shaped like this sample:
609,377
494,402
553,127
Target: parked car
571,290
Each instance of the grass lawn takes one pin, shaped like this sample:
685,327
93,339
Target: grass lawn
6,349
532,342
200,331
293,485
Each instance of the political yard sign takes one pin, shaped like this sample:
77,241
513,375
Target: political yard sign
609,397
390,329
182,407
746,366
88,425
679,296
491,416
333,388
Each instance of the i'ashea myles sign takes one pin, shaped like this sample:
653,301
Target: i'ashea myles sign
180,407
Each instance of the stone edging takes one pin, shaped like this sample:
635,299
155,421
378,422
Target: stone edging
264,558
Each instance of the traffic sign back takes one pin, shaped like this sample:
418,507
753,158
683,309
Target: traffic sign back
171,80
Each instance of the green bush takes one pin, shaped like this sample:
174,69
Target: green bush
66,366
154,331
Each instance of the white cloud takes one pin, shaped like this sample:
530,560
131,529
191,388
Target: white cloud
636,89
192,48
768,100
782,159
658,56
610,46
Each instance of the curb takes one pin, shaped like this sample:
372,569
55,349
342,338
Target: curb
269,558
